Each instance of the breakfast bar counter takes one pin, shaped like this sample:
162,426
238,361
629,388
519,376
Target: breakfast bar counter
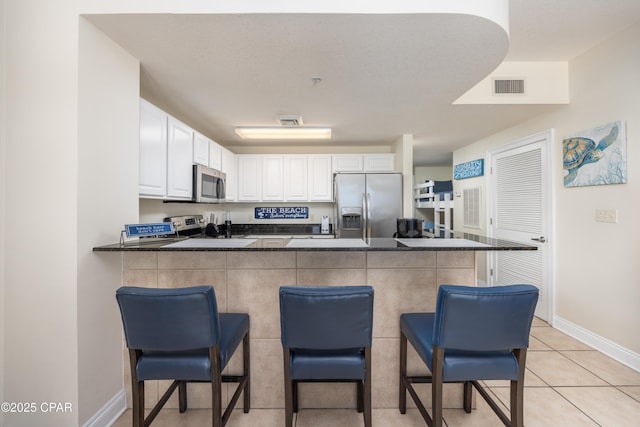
246,278
457,241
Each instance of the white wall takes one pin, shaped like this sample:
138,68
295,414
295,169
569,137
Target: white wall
41,336
3,180
108,136
596,265
71,134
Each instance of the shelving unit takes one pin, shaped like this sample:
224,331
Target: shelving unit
442,205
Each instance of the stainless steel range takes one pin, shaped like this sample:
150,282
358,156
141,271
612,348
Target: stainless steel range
188,225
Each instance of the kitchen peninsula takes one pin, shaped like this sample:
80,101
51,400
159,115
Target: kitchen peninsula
405,276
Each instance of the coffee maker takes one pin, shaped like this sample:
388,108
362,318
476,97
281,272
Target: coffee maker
408,228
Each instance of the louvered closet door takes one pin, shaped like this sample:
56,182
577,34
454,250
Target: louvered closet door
519,213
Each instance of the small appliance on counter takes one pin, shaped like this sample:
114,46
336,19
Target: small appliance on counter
408,228
324,225
212,230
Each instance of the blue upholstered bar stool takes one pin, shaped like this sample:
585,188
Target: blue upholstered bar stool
326,337
474,334
178,334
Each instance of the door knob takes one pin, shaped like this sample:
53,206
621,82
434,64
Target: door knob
540,239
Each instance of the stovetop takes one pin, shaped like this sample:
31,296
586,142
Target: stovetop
187,225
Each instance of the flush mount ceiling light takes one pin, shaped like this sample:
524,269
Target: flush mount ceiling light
291,127
279,132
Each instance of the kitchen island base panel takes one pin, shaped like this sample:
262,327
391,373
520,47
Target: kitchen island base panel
249,282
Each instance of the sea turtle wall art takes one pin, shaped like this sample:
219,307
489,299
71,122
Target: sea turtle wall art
596,156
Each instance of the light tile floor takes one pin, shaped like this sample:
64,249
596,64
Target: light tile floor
567,384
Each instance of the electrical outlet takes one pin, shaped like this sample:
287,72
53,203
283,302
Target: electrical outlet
607,215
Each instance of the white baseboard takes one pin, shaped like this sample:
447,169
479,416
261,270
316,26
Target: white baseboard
611,349
109,413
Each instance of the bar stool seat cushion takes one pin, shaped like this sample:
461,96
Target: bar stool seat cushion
327,365
194,365
459,365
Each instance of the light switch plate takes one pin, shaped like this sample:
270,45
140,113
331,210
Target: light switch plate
607,215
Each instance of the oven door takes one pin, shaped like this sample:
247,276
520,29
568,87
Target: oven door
208,185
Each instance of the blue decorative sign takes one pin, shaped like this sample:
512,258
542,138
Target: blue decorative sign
282,213
148,230
469,169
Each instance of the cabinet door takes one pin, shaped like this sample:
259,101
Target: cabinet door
229,167
272,178
347,163
179,160
379,162
215,155
295,178
320,178
200,149
249,178
152,179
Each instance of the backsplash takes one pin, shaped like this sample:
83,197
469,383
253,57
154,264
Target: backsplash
151,210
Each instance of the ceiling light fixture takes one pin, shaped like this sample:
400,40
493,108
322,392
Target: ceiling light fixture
279,132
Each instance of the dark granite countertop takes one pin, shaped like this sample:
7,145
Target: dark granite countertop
477,243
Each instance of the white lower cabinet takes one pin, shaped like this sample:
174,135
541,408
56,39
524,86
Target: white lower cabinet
273,242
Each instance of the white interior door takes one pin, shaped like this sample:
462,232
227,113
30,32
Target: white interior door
520,211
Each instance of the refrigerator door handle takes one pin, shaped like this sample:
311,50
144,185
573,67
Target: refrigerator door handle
364,216
368,215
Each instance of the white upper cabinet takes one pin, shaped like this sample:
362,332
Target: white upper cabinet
379,162
200,149
382,162
152,180
296,178
228,165
347,163
284,178
249,178
320,178
215,155
179,160
272,178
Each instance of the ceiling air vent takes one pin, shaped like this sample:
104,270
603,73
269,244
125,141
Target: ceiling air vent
290,120
508,87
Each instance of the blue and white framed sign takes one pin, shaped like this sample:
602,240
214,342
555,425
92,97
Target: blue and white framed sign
301,212
149,230
469,169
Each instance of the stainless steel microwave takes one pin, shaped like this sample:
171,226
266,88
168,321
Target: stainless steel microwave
208,185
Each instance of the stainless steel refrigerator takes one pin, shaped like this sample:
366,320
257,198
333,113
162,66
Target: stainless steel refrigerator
367,205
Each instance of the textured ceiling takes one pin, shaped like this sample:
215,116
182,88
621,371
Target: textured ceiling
381,75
